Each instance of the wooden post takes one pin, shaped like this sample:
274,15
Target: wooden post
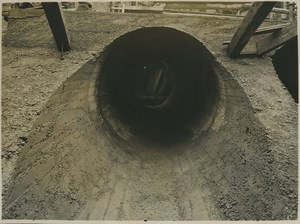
54,14
277,38
291,7
284,6
255,16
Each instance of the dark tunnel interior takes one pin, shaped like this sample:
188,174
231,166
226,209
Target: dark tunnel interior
157,84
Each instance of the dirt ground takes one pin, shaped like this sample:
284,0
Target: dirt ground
244,169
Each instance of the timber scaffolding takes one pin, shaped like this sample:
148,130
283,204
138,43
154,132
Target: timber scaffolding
275,37
282,10
278,35
285,11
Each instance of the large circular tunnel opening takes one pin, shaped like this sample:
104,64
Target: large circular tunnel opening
157,84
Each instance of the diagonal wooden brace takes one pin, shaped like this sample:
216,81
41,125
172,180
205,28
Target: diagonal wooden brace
255,16
54,14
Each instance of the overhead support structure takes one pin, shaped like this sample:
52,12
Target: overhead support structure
255,16
54,14
277,38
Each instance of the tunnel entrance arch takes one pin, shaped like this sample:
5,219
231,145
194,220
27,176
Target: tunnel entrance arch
158,84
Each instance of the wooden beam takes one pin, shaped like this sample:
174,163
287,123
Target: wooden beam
255,16
54,14
269,29
263,30
277,38
276,10
280,10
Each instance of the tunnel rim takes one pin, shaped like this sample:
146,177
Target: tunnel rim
218,107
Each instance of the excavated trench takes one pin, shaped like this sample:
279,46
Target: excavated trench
157,85
154,128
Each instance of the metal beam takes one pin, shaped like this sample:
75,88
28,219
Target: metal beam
277,38
255,16
54,14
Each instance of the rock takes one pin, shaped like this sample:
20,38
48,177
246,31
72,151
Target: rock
32,103
23,140
228,206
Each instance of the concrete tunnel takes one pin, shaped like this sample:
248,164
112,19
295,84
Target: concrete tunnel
185,98
154,128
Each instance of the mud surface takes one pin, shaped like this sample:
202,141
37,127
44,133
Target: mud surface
71,165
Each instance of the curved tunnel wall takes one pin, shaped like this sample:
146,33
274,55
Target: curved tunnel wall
157,84
285,61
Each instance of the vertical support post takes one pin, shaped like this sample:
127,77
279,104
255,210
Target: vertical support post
54,14
291,7
284,6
